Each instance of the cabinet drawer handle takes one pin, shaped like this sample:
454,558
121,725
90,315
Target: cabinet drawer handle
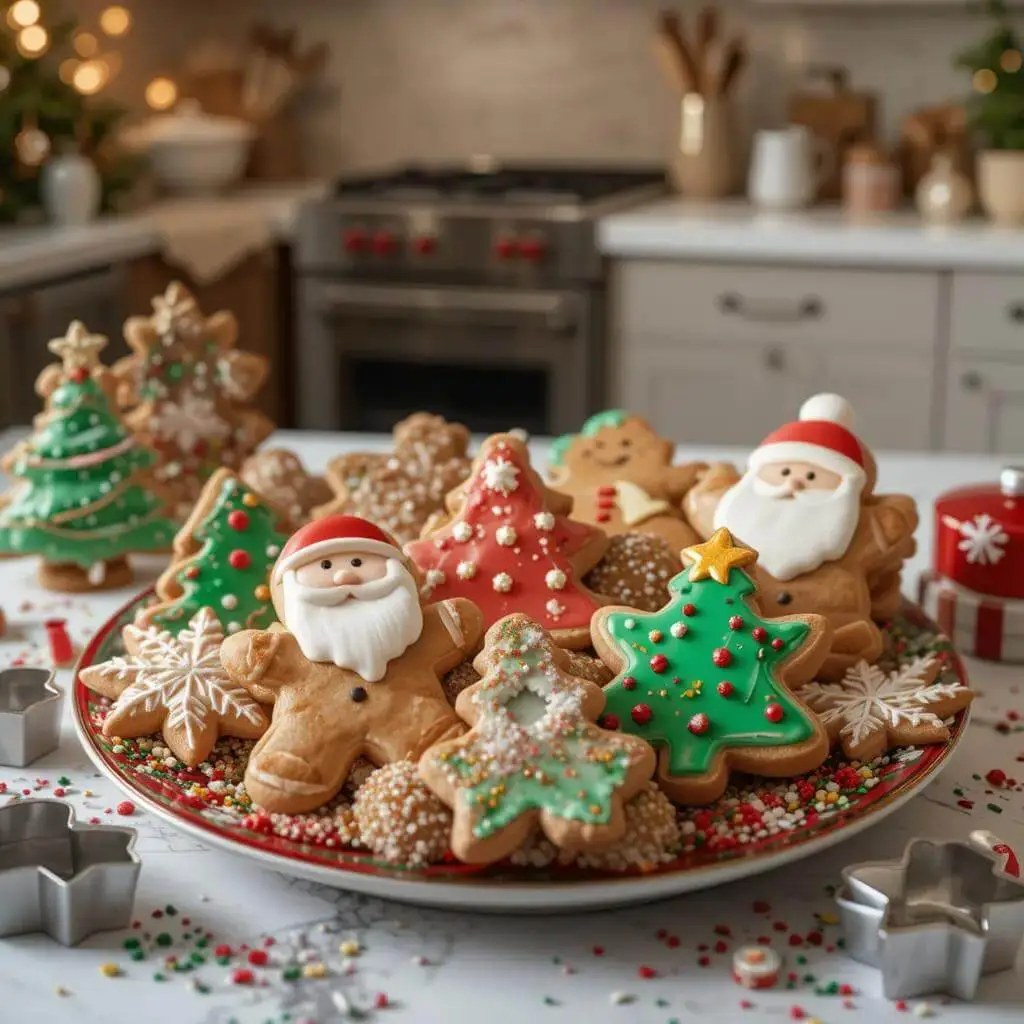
971,381
775,360
770,311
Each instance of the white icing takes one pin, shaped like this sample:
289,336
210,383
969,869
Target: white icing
229,601
462,532
555,579
544,521
500,475
506,536
502,583
465,570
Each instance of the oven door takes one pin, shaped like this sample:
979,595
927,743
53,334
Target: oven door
491,358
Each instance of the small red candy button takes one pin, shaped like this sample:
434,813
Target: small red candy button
629,682
736,622
773,712
725,688
641,714
721,657
689,609
759,633
610,722
777,644
699,724
239,559
659,663
238,520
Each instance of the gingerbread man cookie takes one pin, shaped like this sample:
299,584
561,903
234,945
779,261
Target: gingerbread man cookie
279,475
534,759
357,673
707,680
509,546
826,543
620,475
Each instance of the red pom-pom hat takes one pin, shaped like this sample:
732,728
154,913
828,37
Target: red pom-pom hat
334,535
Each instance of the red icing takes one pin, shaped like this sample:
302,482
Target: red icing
610,722
238,520
79,376
527,562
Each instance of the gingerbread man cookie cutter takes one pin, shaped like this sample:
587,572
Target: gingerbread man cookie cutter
29,715
61,878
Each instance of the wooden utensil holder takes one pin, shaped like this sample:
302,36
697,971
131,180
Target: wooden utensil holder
704,162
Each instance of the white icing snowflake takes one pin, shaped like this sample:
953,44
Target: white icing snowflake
194,420
462,532
505,536
868,699
984,540
544,521
501,476
502,583
555,579
465,570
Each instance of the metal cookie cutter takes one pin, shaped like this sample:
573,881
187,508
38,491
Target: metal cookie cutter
64,879
29,715
939,918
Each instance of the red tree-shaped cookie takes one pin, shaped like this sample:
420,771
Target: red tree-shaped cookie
509,546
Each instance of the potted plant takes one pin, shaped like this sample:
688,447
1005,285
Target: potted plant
996,117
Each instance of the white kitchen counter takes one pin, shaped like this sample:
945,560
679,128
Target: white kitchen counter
29,254
733,231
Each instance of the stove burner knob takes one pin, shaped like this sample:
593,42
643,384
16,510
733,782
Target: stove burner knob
506,248
355,240
533,249
384,243
424,245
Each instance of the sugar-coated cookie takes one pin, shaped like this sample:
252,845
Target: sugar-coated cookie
707,680
635,570
280,476
620,476
534,758
357,669
826,543
509,546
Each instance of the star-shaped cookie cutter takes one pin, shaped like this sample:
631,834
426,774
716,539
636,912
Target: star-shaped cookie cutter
937,919
29,715
60,878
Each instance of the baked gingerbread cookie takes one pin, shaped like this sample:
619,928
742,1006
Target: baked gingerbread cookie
635,571
401,490
826,542
509,545
355,672
280,476
709,681
175,685
534,758
620,476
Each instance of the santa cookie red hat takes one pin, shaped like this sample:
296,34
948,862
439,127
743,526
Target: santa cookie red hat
334,535
821,436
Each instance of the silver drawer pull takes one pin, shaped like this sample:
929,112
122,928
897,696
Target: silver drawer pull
971,381
769,310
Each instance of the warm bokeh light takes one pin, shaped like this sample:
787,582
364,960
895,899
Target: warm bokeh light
23,13
86,44
115,21
33,41
5,77
67,70
90,76
1011,61
161,94
984,80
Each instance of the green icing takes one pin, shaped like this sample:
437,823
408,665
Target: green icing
608,418
82,513
217,580
688,684
559,762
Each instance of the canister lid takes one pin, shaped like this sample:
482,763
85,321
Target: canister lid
1011,481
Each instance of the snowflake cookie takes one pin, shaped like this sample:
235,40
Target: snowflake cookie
177,684
534,759
872,711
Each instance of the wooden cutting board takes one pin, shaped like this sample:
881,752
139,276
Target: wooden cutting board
836,114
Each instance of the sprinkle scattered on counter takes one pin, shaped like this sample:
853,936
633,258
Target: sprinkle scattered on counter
110,970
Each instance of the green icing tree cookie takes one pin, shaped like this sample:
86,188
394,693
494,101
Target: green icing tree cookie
86,497
223,557
706,680
534,756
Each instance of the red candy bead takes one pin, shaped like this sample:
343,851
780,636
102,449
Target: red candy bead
759,633
628,683
699,724
258,957
126,808
238,520
689,609
79,376
239,559
192,572
736,622
659,663
777,644
725,688
773,712
721,657
995,777
242,976
610,722
641,714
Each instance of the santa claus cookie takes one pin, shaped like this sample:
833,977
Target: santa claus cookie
707,680
279,475
509,546
620,476
826,543
357,670
534,759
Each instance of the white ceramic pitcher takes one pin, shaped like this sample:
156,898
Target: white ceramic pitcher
787,167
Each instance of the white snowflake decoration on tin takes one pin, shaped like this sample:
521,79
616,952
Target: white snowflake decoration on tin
194,420
983,540
501,475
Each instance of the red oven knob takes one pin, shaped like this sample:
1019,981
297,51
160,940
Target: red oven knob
506,248
424,245
355,240
533,249
384,243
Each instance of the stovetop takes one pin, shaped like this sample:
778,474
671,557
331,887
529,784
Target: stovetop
516,183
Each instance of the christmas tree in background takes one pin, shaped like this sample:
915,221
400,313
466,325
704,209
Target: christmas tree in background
85,500
510,546
224,554
700,676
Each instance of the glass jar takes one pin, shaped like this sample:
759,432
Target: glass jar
871,182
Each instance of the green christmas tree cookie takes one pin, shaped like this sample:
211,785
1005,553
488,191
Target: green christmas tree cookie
534,757
707,681
223,557
86,497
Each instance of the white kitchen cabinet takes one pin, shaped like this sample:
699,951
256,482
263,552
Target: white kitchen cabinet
985,406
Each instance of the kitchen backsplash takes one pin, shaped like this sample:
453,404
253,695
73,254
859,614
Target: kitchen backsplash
440,79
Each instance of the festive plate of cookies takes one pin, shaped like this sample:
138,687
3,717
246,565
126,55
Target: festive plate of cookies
756,825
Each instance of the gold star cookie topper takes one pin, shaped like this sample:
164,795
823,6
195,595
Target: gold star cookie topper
79,349
176,308
715,557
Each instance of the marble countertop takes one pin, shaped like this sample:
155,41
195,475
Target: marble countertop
443,967
734,231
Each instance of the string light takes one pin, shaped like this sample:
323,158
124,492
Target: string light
5,77
115,21
161,93
1011,61
984,80
89,77
33,41
86,44
67,69
23,13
